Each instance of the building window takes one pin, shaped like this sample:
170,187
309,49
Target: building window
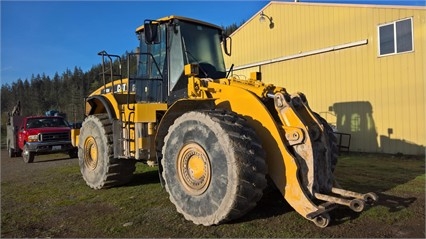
396,37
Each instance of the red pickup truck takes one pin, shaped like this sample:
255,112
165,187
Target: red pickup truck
36,135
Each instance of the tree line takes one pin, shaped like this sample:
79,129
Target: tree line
41,93
64,92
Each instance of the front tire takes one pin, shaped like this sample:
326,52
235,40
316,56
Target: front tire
96,157
213,166
27,156
334,149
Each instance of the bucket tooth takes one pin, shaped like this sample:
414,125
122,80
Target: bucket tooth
322,209
369,198
356,204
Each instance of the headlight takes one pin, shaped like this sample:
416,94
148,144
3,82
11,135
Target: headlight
33,138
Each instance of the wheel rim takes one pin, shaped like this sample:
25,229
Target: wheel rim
90,153
26,153
193,168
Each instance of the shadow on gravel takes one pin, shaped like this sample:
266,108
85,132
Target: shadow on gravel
395,203
370,173
51,160
272,204
150,177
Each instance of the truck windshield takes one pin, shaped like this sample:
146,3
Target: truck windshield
46,122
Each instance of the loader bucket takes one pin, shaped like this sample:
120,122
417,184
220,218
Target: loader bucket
316,156
300,151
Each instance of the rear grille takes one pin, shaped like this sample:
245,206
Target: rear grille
48,137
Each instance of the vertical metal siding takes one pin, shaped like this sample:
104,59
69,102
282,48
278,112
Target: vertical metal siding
393,85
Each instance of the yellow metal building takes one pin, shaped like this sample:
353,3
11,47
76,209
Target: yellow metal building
362,67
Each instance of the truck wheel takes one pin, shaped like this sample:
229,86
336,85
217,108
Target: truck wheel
213,166
96,157
27,155
11,152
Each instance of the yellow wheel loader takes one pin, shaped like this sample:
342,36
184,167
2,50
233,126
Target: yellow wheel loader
215,138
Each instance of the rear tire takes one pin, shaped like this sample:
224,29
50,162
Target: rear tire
213,166
11,152
96,157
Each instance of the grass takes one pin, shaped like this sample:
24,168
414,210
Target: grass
55,202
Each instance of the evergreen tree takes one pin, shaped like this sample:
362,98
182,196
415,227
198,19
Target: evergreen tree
231,28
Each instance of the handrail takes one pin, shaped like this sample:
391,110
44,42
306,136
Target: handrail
128,70
111,69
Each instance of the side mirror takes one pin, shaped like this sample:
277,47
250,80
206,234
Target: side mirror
227,45
151,31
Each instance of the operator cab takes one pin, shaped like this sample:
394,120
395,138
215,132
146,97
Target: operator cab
166,46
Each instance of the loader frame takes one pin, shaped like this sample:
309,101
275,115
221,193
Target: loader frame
139,117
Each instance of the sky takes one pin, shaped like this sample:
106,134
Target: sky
52,36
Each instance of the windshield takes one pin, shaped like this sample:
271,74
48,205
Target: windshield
46,122
201,45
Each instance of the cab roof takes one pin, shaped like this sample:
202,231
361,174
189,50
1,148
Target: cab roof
169,18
